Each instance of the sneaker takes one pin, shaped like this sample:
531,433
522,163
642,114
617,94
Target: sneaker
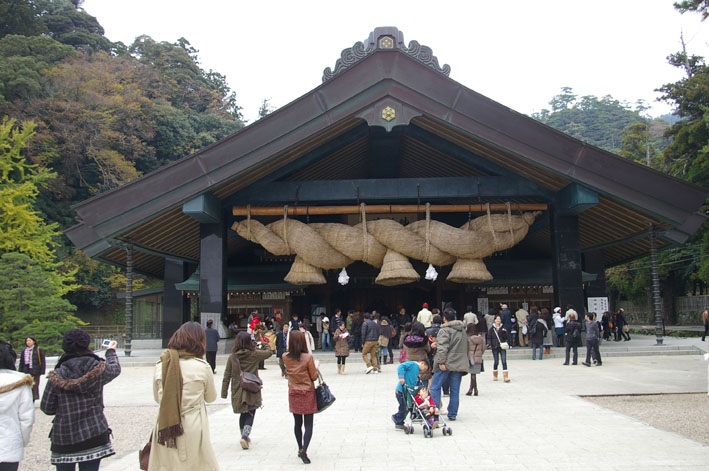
595,362
435,424
585,364
369,370
376,372
398,426
244,443
599,364
452,419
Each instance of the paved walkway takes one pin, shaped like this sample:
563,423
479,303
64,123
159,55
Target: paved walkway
536,422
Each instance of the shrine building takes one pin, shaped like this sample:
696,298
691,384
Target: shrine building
386,186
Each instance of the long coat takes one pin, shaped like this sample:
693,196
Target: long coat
342,348
194,447
249,360
452,348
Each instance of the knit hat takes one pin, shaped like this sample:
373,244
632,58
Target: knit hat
75,340
425,305
557,309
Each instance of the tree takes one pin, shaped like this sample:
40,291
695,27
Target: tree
32,284
19,17
700,6
22,228
31,301
688,154
265,108
637,144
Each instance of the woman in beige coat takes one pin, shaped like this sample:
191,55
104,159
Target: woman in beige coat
183,383
342,347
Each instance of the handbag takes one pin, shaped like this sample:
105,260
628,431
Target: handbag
323,395
503,345
249,381
626,328
144,454
402,355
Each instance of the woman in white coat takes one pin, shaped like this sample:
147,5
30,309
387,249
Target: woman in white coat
16,410
183,383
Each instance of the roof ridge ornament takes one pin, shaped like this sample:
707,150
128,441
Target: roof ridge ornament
387,37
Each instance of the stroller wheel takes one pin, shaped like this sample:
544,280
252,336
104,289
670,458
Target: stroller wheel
447,431
427,433
408,429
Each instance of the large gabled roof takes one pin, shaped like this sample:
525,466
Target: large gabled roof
408,80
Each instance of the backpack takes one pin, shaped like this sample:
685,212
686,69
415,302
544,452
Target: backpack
577,332
532,328
383,341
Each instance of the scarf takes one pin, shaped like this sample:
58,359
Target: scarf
26,380
28,357
169,417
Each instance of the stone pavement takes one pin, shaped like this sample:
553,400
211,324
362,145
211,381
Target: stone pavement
536,422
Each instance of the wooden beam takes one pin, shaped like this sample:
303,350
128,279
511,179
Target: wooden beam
389,189
382,209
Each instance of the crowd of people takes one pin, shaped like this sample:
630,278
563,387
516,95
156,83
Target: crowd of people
436,350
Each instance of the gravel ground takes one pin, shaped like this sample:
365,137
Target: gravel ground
131,430
684,414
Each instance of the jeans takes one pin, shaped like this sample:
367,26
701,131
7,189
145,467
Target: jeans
83,466
592,351
576,353
326,343
383,353
496,354
453,378
514,339
534,351
401,413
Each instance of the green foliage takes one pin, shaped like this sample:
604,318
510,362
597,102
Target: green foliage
688,155
19,17
700,6
637,144
22,61
598,121
31,301
22,228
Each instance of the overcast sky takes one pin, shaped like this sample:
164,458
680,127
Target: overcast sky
517,52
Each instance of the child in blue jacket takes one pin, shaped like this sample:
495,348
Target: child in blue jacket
408,375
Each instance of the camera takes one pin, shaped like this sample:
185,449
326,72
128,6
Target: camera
106,343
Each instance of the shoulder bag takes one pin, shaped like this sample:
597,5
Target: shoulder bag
323,395
248,381
144,454
503,345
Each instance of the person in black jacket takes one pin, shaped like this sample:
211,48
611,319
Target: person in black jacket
572,337
622,322
282,346
537,331
32,362
370,337
495,337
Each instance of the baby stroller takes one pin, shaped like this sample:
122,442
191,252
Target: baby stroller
415,415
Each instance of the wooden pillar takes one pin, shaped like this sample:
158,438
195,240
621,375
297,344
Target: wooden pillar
593,262
212,273
176,306
566,261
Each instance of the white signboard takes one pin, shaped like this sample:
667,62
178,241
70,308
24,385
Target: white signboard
482,305
598,305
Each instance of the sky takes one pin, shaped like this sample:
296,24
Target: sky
516,52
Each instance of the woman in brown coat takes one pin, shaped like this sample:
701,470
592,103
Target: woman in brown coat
342,348
243,358
302,371
476,348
